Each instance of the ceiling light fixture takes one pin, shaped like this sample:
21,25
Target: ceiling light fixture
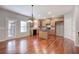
31,20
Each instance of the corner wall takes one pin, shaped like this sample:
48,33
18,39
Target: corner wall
77,25
68,25
71,25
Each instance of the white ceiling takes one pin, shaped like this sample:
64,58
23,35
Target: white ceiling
40,11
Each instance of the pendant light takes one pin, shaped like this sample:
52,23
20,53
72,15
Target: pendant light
31,21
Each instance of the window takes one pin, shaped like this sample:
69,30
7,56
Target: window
23,25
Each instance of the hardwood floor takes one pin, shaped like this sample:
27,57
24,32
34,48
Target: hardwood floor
36,45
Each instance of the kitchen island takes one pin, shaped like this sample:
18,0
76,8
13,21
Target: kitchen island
43,34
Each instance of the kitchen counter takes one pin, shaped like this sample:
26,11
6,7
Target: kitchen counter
43,34
46,32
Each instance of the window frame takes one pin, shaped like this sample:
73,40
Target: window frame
22,30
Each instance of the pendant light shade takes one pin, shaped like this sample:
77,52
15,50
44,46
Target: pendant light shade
29,21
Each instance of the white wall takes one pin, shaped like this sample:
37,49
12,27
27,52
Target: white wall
71,25
4,16
68,25
60,29
76,14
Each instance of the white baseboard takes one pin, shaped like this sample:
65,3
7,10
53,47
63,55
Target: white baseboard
12,38
3,40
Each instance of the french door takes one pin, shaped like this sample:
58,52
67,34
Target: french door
11,29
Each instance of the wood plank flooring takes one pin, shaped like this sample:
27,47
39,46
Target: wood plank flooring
36,45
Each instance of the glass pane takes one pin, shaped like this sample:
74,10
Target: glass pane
23,26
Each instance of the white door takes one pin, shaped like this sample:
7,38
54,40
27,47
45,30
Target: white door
11,29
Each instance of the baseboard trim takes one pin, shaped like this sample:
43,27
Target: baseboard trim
3,40
13,38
